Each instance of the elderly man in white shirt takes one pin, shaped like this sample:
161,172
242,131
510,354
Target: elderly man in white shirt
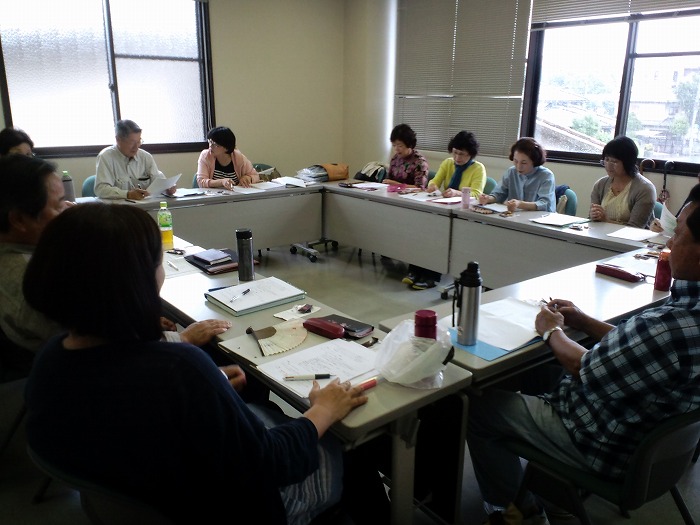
124,170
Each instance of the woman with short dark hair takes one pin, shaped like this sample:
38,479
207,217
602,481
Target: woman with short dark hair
13,140
623,196
407,166
527,185
222,165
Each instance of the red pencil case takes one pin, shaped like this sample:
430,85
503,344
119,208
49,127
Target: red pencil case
619,273
325,328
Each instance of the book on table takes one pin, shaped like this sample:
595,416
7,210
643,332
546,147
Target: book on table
255,295
227,265
213,256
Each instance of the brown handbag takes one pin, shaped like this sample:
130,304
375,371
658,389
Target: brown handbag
337,171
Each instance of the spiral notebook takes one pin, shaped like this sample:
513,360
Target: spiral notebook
255,295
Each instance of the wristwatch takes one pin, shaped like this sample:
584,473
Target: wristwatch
548,333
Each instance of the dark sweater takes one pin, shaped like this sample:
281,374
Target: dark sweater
160,422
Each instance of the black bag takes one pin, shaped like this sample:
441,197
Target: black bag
372,172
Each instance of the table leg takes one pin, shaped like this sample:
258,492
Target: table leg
403,448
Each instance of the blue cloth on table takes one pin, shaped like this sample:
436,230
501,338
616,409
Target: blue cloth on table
480,349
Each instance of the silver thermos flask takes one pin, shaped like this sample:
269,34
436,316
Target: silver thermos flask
244,245
469,288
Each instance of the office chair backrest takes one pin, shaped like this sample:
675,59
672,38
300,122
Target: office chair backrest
490,185
194,181
661,459
103,505
89,186
657,464
571,202
658,207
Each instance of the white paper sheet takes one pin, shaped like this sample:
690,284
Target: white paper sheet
632,234
558,219
345,360
507,324
160,185
495,206
420,196
448,200
370,185
241,189
268,186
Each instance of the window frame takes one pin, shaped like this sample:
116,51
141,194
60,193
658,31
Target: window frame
533,79
206,87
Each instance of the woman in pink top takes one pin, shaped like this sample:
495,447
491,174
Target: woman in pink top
222,165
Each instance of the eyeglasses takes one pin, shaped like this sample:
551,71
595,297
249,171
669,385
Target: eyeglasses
130,143
213,144
458,153
611,162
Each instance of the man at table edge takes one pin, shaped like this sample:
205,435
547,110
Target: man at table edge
597,415
124,170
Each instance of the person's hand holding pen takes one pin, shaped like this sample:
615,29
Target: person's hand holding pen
548,318
568,312
332,403
235,376
137,193
486,199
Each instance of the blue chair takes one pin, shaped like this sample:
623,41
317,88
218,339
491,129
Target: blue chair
194,181
489,186
89,186
658,206
571,202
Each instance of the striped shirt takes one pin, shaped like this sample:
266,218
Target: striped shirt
226,172
645,370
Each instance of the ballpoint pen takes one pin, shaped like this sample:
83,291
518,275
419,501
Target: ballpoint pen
217,288
239,295
307,377
172,265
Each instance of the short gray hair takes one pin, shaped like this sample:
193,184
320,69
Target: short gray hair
124,128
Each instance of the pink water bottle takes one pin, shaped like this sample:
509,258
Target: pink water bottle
466,198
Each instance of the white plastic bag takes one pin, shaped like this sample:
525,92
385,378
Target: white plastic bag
413,361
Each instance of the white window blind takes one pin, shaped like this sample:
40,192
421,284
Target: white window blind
558,10
461,65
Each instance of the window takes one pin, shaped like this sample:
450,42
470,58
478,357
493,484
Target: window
634,74
446,81
74,68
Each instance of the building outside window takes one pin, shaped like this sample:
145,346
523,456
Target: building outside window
637,75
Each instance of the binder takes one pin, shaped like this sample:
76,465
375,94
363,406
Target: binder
263,293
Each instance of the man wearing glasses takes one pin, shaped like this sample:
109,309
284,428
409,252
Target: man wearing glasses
124,170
